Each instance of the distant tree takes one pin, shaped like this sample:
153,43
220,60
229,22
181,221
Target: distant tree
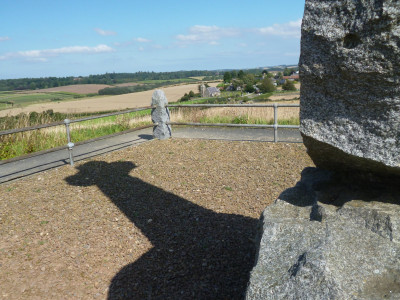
191,94
288,86
279,75
234,74
288,71
227,77
267,86
240,74
249,88
237,84
248,79
184,98
265,72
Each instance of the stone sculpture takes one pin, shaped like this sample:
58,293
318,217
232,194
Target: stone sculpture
160,115
203,90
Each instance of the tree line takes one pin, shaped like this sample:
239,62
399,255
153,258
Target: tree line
107,78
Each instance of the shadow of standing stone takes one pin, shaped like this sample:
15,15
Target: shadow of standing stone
196,254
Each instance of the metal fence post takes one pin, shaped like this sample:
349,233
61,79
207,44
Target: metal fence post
70,145
275,122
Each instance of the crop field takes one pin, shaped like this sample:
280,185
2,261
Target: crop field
76,88
15,100
285,96
103,103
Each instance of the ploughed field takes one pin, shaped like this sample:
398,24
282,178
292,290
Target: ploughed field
171,219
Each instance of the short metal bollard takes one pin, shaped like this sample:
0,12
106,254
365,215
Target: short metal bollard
71,155
70,145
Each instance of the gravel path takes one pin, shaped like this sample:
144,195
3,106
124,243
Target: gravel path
169,219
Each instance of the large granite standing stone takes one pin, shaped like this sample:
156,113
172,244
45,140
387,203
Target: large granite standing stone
324,239
160,115
350,92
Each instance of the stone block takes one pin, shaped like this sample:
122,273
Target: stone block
350,85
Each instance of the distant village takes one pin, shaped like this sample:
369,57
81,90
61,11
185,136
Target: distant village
253,83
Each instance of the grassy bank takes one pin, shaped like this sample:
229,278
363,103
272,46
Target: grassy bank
237,115
18,144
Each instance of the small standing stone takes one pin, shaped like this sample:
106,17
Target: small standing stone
203,90
160,115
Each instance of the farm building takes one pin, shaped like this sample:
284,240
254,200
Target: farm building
212,92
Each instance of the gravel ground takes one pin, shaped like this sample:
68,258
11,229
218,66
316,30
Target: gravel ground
169,219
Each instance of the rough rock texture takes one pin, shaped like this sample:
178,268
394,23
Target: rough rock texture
160,115
350,93
324,239
203,90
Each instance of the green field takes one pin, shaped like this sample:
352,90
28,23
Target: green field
13,99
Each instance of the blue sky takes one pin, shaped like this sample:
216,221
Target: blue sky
70,38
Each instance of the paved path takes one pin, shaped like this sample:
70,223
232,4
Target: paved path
237,134
38,163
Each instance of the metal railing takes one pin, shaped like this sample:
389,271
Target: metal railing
67,123
70,144
275,126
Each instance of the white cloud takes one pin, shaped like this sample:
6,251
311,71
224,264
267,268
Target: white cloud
291,29
41,55
105,32
206,34
142,40
212,34
132,42
4,38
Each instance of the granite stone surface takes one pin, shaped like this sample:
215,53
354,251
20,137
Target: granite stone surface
350,85
324,239
160,115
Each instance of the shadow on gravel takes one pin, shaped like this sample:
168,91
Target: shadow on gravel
197,253
146,136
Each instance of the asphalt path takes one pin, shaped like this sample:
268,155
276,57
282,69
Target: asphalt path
18,168
237,134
